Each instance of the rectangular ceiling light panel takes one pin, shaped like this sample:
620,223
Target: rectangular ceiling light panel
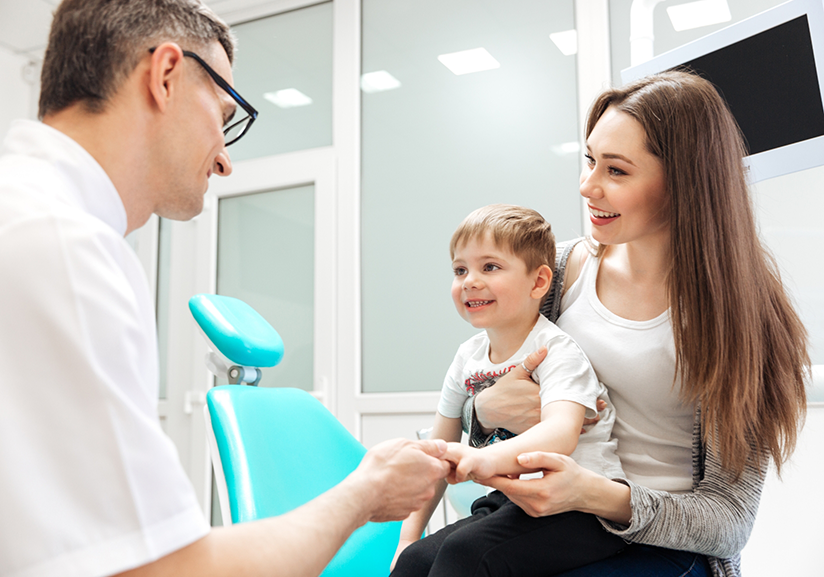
697,14
468,61
288,98
379,81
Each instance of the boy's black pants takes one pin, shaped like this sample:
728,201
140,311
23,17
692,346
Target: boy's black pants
499,540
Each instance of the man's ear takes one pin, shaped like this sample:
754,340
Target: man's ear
543,280
165,72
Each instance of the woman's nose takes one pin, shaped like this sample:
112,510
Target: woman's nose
223,163
590,187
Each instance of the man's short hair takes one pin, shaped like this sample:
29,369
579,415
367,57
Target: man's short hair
521,230
95,44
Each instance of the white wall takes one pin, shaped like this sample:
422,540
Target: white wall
787,534
16,99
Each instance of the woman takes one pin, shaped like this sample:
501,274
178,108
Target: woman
685,319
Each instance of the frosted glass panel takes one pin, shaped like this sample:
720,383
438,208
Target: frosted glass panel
266,258
290,51
439,146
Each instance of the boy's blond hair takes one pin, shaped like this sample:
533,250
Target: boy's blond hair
522,230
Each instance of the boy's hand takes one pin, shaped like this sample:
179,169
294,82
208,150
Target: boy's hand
599,406
469,463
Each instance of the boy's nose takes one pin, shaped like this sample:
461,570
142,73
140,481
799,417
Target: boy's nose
471,281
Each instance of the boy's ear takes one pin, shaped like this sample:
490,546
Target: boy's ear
543,280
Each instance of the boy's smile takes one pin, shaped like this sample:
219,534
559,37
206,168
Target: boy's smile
492,288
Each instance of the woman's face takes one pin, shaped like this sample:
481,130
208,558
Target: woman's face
623,183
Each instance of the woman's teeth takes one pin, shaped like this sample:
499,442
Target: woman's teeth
602,214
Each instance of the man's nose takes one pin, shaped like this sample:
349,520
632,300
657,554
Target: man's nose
222,164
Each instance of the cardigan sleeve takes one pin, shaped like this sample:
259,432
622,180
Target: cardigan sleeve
715,519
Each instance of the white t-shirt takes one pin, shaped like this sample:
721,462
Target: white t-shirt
90,484
565,375
636,361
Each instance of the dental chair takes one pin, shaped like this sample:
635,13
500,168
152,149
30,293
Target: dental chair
274,449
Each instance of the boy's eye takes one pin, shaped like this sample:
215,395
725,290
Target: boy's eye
459,271
490,267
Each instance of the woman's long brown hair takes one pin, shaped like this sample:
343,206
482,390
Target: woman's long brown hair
741,349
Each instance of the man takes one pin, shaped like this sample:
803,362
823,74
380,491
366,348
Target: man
134,99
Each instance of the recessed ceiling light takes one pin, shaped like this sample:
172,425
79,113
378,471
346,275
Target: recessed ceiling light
567,148
468,61
696,14
566,41
378,81
288,98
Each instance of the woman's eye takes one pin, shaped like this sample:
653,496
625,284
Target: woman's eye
616,171
589,159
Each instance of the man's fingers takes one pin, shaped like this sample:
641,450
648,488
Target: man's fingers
534,359
433,448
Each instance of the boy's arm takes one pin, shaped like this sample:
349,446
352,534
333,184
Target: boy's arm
413,527
557,432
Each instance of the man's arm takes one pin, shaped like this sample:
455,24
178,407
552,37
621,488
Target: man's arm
557,432
394,478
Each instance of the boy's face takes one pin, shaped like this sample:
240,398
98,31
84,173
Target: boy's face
492,288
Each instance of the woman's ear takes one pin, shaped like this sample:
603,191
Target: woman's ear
543,280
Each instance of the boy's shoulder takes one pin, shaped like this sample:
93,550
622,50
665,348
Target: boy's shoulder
545,331
475,342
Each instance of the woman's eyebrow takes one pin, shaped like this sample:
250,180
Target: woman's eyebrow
613,156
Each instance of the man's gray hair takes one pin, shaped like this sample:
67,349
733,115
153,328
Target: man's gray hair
95,44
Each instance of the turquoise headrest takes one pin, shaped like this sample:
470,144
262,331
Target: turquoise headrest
237,330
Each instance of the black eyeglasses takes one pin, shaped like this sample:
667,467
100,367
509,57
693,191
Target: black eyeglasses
236,130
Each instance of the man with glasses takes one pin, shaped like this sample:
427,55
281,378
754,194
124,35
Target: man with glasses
137,110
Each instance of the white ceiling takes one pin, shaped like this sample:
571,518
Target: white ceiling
24,24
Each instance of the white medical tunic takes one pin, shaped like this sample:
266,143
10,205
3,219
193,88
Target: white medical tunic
89,483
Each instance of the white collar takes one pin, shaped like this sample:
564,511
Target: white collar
91,186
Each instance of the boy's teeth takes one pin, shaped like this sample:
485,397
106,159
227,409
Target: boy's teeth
477,303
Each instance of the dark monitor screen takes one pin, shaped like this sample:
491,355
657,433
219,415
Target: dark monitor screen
770,83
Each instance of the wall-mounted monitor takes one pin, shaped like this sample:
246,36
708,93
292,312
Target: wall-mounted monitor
769,70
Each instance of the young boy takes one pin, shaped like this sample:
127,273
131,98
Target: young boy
501,257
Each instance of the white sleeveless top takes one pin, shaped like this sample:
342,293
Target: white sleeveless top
636,361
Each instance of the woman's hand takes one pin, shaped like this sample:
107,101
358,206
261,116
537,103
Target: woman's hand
513,403
557,492
565,486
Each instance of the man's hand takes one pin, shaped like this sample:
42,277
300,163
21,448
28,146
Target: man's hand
513,403
399,476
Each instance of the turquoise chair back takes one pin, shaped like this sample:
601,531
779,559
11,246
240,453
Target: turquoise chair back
280,448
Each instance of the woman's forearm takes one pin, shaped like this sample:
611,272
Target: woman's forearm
607,499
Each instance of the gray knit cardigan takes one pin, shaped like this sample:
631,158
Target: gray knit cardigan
715,519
